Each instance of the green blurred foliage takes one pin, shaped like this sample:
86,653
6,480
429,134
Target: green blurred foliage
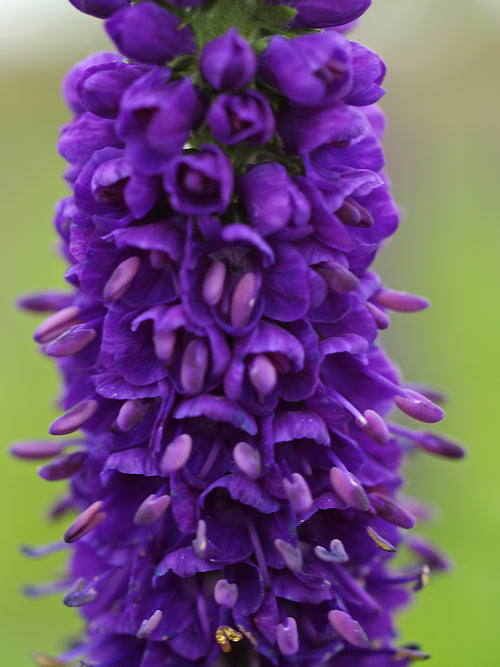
443,154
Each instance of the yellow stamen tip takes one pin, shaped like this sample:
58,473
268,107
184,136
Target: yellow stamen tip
225,634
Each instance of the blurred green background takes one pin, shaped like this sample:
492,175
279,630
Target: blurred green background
443,148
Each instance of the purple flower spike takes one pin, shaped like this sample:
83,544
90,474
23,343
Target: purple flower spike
287,637
150,34
228,62
200,182
218,346
348,628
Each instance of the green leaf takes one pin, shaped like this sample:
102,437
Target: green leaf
273,17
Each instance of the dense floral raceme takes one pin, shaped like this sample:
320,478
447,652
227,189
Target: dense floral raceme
235,476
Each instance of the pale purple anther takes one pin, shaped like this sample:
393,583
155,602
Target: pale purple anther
348,628
37,450
121,278
213,285
243,300
151,509
71,342
263,376
401,301
381,319
80,594
164,342
287,637
200,541
389,510
349,489
338,277
419,407
438,445
374,426
63,467
335,554
194,366
248,460
150,624
57,323
74,418
131,413
298,492
291,555
176,454
226,594
87,521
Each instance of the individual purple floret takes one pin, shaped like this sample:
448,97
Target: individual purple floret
234,473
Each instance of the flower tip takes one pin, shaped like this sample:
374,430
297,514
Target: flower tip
401,301
298,492
248,460
349,489
176,454
287,637
419,407
226,593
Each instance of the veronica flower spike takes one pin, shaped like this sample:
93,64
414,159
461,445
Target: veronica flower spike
233,479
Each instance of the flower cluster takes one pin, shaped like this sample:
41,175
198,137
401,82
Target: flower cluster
237,479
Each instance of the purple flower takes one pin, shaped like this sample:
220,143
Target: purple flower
236,481
155,119
200,182
244,117
325,13
149,34
228,62
100,8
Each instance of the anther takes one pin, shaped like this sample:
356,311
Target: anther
176,454
338,277
298,492
131,413
87,521
213,284
335,554
438,445
57,324
349,489
164,342
382,321
380,541
121,279
200,541
348,628
287,637
194,366
248,460
353,214
423,578
37,450
262,375
43,660
243,300
79,594
72,341
408,653
151,509
419,407
389,510
401,301
74,418
374,426
224,635
150,624
291,555
226,594
63,467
